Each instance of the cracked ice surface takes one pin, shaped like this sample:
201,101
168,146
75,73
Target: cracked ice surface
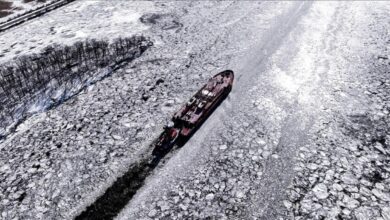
303,134
343,171
61,160
306,139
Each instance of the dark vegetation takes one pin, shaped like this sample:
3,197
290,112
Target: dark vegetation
5,6
59,65
6,10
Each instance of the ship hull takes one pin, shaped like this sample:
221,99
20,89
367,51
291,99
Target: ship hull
194,113
187,131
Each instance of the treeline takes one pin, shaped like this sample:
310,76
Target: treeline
31,73
62,63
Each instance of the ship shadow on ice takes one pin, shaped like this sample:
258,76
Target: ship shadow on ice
118,195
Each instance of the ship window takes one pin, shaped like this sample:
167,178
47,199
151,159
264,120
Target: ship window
198,111
192,100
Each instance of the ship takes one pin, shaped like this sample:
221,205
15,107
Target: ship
191,116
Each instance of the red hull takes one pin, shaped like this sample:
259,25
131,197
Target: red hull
203,103
191,116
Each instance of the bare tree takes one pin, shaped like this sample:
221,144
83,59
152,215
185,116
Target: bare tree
61,64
